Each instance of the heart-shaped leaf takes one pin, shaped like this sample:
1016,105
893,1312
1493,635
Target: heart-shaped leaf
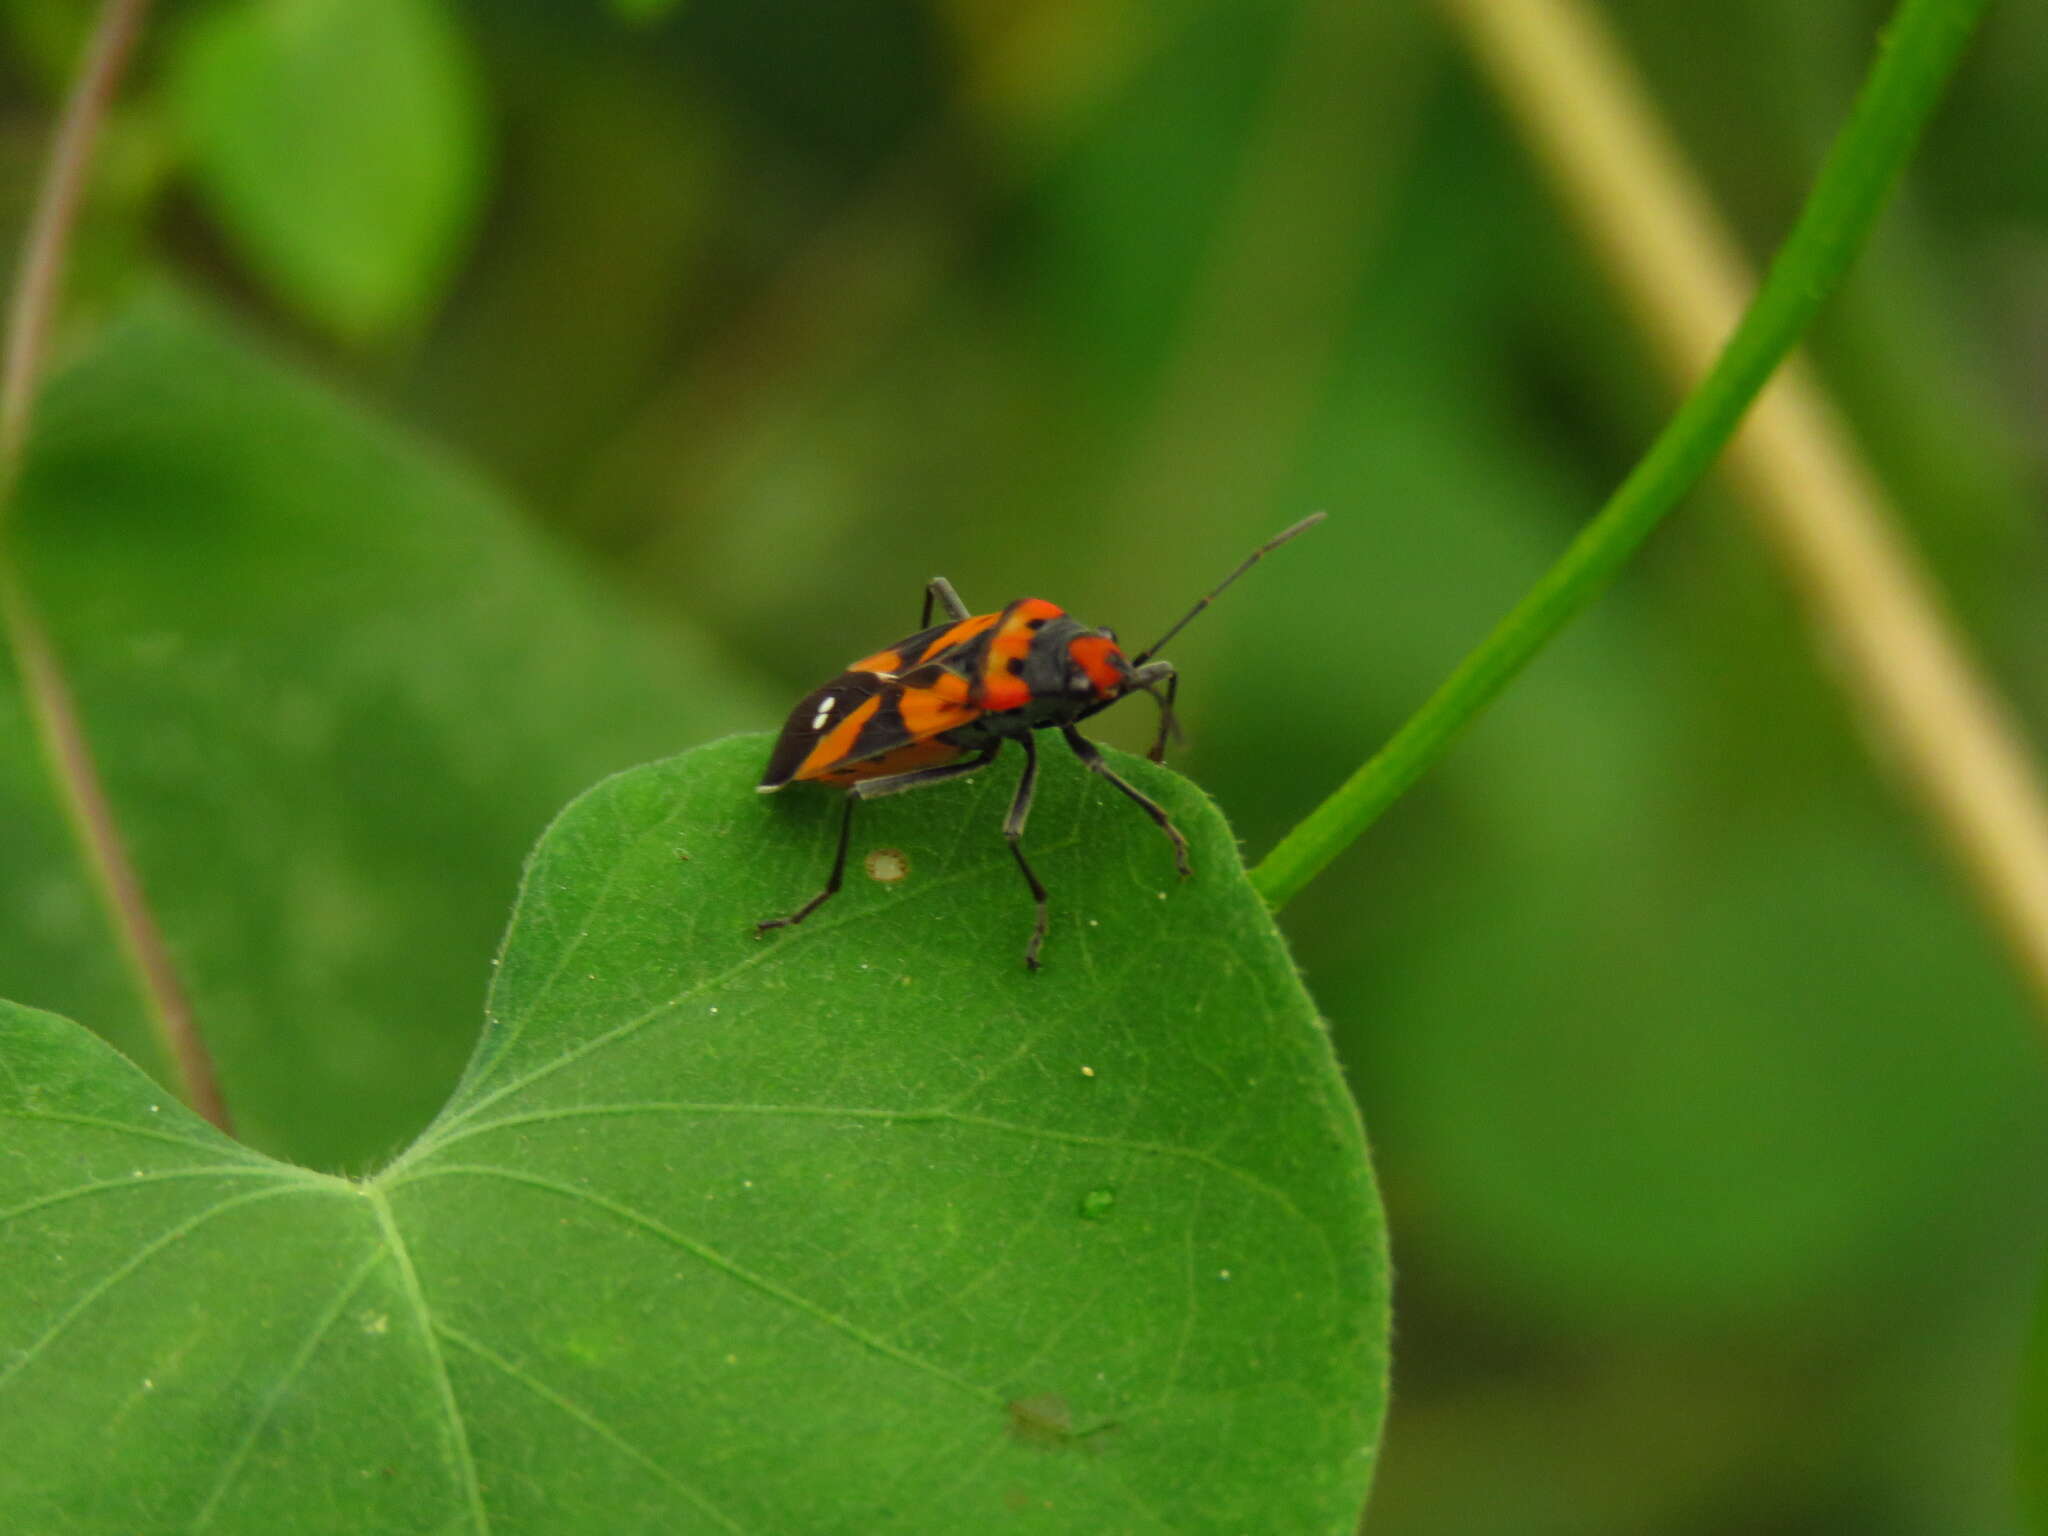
857,1226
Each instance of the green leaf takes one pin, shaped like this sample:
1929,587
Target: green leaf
341,143
335,688
854,1227
2033,1437
1718,1103
45,37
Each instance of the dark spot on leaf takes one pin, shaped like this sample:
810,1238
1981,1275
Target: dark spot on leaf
1043,1420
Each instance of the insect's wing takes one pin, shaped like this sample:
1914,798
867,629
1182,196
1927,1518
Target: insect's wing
864,724
952,645
884,713
834,714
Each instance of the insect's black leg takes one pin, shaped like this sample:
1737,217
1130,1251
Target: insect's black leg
941,590
1013,831
831,883
1086,751
873,789
1166,721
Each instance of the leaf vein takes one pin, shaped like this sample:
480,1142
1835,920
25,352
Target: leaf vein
606,890
588,1420
162,1244
464,1463
716,1260
220,1146
941,1113
137,1180
762,955
231,1468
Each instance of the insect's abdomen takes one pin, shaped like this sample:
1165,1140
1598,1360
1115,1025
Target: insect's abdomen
917,754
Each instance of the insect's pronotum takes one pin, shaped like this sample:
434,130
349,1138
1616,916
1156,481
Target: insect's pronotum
942,703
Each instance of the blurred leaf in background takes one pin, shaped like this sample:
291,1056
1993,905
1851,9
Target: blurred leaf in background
644,12
342,145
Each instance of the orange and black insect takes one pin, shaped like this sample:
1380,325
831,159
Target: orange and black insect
943,702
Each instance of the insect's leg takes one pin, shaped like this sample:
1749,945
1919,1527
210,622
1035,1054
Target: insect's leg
942,590
1168,726
917,778
1086,751
1013,833
1149,677
871,789
831,883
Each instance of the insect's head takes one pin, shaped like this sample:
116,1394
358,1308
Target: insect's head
1094,667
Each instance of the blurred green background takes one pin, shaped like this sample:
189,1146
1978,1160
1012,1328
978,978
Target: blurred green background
465,400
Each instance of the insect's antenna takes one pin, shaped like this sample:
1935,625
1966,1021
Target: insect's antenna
1215,592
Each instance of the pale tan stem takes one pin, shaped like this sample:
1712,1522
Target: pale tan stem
1586,114
31,310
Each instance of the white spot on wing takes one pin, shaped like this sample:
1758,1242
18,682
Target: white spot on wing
825,708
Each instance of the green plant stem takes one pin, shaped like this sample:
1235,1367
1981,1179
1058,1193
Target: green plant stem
1917,56
53,713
